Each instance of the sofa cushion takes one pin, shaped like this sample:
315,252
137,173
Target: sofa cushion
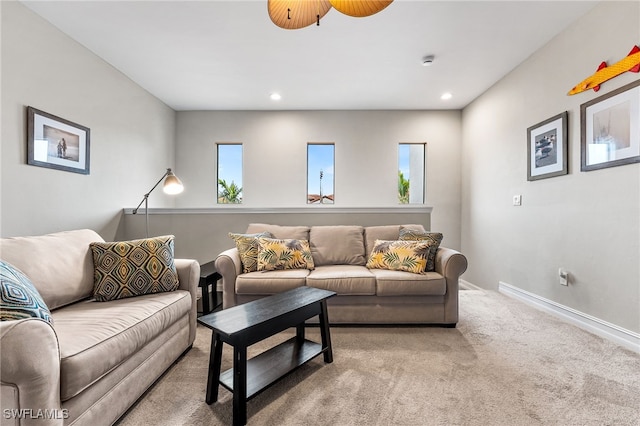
400,283
434,239
343,279
385,232
247,245
59,265
95,337
270,282
133,268
337,245
410,256
19,299
281,232
275,254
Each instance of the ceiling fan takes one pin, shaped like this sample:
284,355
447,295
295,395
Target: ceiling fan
296,14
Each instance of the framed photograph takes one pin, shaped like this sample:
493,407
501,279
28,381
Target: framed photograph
610,129
56,143
547,144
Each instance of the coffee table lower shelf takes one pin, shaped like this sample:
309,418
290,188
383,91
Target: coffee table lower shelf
244,325
265,369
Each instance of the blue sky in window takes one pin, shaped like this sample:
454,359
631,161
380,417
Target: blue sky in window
230,163
320,157
403,159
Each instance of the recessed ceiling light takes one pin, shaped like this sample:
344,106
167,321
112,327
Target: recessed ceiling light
446,96
275,96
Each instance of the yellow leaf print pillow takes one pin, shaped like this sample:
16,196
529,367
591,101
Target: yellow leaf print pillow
274,254
409,256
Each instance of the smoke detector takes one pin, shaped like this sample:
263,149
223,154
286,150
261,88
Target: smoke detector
427,61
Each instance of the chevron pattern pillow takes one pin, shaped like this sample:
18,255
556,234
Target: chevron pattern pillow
19,298
133,268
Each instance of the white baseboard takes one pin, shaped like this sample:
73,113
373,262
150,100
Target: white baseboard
612,332
466,285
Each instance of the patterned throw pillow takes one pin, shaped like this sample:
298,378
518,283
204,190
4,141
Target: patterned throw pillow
133,268
435,238
247,245
409,256
19,297
276,254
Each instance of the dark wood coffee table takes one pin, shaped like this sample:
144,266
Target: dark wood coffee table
242,326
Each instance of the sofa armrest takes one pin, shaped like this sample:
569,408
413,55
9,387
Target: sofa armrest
188,279
30,372
229,265
450,264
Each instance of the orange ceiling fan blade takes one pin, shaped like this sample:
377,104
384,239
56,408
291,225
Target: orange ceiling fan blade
360,8
296,14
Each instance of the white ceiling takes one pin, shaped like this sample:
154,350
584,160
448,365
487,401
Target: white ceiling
228,55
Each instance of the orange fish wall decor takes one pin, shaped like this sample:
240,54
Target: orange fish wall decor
630,63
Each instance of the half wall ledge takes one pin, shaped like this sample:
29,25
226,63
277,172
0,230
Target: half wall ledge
203,233
289,210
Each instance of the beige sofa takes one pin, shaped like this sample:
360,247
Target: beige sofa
364,296
98,358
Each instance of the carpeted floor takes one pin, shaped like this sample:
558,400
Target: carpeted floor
505,364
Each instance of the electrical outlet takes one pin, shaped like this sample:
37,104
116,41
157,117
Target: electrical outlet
563,277
517,200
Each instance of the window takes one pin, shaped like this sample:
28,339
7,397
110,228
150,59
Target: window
229,173
411,173
320,161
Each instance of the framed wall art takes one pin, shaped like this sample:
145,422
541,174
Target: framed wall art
56,143
547,144
610,129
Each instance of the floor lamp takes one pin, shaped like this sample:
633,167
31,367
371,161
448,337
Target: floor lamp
171,185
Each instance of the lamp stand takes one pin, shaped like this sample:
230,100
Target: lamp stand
146,214
145,200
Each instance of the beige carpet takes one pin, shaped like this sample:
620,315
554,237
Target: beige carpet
505,364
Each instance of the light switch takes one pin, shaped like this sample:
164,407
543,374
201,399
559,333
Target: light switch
517,200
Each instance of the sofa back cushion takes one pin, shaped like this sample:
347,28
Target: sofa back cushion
59,265
280,232
385,232
337,245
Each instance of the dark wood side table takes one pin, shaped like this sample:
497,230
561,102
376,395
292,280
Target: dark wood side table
243,325
209,275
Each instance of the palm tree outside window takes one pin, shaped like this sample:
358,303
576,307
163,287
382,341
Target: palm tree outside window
411,173
229,177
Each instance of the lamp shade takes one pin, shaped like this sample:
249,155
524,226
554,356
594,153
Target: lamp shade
172,184
295,14
360,8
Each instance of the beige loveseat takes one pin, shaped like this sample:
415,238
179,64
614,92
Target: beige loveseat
364,296
97,358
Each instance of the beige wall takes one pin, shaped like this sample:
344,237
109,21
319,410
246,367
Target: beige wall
586,222
366,153
132,133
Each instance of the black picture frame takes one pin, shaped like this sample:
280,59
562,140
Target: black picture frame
56,143
548,148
